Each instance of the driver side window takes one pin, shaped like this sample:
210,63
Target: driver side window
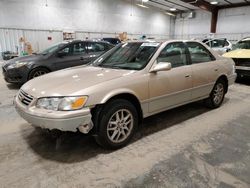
174,53
65,51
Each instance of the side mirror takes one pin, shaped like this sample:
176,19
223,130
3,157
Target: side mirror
61,54
162,66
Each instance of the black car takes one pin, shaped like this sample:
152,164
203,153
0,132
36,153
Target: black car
63,55
7,55
113,41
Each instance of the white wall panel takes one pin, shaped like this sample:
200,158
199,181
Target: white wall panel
234,20
39,39
193,28
92,18
86,15
9,39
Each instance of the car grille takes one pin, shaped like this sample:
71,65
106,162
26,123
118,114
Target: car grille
242,62
25,98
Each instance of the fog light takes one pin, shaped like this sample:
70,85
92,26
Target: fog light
85,128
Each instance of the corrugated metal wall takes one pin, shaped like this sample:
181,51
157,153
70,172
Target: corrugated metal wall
9,38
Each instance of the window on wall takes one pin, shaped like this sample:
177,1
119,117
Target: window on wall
174,53
198,53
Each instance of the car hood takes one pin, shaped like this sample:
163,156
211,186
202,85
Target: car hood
240,53
29,58
71,81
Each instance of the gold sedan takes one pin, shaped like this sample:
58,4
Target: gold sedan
132,81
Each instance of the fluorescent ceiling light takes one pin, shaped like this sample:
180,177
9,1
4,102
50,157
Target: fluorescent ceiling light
141,5
172,9
214,2
144,1
170,14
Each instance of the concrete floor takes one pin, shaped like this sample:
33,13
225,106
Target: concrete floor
190,146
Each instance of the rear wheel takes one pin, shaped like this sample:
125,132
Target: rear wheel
117,125
38,72
217,95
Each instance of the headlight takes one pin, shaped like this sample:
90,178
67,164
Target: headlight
62,103
17,65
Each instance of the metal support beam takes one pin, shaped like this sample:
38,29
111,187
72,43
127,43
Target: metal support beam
214,20
234,5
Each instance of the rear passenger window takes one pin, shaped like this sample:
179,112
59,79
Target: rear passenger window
96,47
78,48
174,53
198,53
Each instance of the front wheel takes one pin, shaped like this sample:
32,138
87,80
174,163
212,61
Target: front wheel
117,125
37,72
217,95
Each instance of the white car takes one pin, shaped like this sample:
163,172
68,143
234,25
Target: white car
221,45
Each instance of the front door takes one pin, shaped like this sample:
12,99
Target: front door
73,55
171,88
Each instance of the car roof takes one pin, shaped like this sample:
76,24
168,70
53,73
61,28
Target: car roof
245,39
87,40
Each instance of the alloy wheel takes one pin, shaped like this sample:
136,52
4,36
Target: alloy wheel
218,93
39,73
120,126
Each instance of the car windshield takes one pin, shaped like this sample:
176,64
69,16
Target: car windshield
244,44
131,56
53,48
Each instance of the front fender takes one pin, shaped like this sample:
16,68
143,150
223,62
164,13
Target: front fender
117,92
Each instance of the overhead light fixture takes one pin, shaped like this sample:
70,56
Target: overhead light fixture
170,14
141,5
172,9
214,2
144,1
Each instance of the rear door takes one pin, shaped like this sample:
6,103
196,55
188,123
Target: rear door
205,70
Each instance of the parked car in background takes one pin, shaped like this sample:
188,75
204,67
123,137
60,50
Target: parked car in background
113,41
221,45
132,81
7,55
241,57
60,56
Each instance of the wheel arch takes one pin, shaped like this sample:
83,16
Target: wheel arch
225,79
37,67
126,95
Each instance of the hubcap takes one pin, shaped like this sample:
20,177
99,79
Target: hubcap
218,93
38,73
120,125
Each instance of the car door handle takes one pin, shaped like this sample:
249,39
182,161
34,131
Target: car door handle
187,76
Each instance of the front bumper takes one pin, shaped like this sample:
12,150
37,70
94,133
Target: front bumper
16,75
232,78
60,120
243,71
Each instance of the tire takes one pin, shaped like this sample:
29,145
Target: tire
37,72
217,95
118,122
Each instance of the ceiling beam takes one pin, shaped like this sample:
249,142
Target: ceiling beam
174,3
234,5
201,4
